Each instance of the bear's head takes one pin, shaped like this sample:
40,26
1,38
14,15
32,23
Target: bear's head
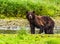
30,15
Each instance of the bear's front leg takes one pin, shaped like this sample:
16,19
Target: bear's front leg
32,29
41,30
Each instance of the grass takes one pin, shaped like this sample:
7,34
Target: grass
22,37
29,39
7,38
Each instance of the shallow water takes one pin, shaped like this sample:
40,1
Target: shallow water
13,29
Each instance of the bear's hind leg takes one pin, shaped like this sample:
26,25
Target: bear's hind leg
51,31
48,31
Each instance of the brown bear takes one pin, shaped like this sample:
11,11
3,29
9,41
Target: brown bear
45,23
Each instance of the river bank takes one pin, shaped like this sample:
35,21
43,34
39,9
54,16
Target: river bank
22,22
18,23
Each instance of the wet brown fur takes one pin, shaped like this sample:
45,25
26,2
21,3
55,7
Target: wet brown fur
45,23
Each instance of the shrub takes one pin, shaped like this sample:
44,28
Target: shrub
17,8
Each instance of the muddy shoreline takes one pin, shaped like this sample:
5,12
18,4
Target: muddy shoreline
17,24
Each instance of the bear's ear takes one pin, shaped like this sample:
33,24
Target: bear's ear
26,12
33,11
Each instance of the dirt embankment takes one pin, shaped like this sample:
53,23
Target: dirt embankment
21,22
15,22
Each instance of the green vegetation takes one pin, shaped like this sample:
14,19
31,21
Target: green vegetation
17,8
22,37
